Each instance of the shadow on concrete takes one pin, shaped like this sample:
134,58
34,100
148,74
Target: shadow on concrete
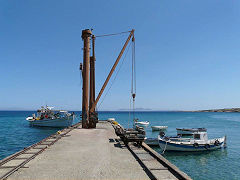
117,143
67,135
111,140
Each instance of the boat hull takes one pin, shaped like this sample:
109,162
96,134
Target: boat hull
142,124
170,146
151,141
159,128
60,122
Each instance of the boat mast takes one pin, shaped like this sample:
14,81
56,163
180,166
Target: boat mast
86,35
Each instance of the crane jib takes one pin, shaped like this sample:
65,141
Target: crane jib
112,70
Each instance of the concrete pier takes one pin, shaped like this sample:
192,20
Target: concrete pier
86,154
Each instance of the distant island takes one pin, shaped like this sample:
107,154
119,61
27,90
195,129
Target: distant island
136,109
220,110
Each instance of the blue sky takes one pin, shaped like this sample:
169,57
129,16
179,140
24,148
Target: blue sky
187,53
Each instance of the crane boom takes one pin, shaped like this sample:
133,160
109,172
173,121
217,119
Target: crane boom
112,70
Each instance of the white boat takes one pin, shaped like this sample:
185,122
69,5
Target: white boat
142,123
111,119
184,131
48,118
159,128
199,142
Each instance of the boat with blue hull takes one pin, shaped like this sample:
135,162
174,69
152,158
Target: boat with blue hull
46,117
199,142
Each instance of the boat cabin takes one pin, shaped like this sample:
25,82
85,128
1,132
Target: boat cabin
199,137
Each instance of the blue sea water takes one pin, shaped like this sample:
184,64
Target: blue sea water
220,164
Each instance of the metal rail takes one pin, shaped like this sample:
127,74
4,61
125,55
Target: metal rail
172,168
152,162
45,143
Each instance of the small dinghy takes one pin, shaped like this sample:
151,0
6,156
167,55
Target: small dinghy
111,119
159,128
142,123
199,142
183,131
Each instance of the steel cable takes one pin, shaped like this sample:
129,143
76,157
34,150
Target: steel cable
114,78
114,34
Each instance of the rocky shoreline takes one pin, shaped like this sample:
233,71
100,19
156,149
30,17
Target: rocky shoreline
221,110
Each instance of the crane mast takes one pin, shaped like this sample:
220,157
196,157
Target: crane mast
89,115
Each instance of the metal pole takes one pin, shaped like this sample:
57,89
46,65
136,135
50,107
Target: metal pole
91,100
86,35
93,73
112,70
92,114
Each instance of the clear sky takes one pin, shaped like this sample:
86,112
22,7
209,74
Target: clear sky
187,52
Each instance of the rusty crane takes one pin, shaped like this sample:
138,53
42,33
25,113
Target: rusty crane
89,103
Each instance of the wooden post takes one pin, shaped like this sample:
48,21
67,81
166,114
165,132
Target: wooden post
86,35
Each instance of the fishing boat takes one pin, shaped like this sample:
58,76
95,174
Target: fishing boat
199,142
159,128
141,123
183,131
48,118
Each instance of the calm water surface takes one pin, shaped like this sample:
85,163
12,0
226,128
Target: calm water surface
220,164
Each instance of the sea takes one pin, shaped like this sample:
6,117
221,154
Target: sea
16,134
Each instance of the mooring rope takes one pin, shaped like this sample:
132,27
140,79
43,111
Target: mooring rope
164,148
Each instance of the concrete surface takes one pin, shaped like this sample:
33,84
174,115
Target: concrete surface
84,154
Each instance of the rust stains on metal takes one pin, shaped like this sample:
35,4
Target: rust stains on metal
86,36
89,115
92,114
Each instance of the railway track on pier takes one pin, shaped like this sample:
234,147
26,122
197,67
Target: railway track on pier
155,165
18,160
